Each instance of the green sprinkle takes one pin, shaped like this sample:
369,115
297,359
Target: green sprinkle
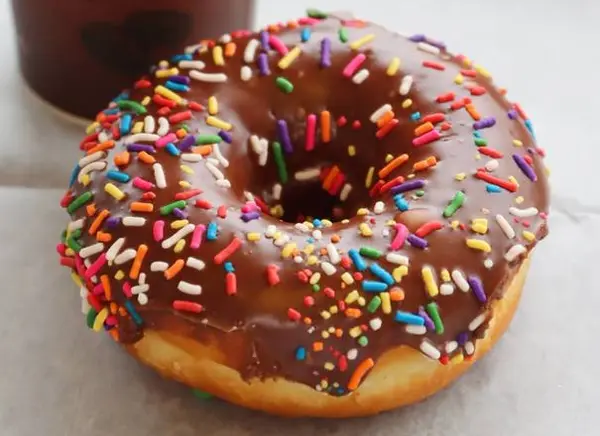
132,106
455,204
201,394
316,288
315,13
208,139
280,162
90,317
420,193
363,341
343,34
284,84
167,209
80,201
434,313
480,142
72,242
374,304
370,252
63,237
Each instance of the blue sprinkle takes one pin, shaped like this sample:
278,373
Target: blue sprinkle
74,175
122,96
118,176
477,134
305,34
300,353
211,231
111,111
401,203
529,126
409,318
357,259
229,267
317,223
382,274
136,316
181,57
177,87
310,240
125,124
373,286
493,188
172,150
416,116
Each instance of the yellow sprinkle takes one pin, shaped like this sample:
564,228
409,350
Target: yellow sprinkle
430,284
529,236
479,225
92,128
407,103
362,211
179,246
309,248
454,224
467,62
163,74
477,156
290,57
146,101
485,73
178,224
213,105
277,235
86,179
329,366
333,310
253,236
393,67
517,143
479,244
326,223
362,41
277,211
325,314
512,179
314,279
287,251
163,64
324,384
186,169
369,178
362,301
352,297
100,318
76,279
137,127
185,184
365,230
167,93
519,200
355,332
388,157
386,303
309,224
114,192
325,335
399,272
331,330
218,55
445,275
120,275
351,150
457,359
459,79
218,123
69,252
347,278
312,260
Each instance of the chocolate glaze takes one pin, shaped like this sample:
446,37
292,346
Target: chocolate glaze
252,327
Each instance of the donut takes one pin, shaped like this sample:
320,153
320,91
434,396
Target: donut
323,218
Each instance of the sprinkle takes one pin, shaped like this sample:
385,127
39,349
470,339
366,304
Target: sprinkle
357,260
460,280
484,123
159,266
250,50
272,275
386,129
381,273
397,259
370,252
197,236
125,256
408,186
361,76
355,45
224,254
525,167
430,350
188,288
218,123
400,237
505,226
177,236
208,77
211,231
133,221
245,73
432,310
174,269
504,184
405,85
477,287
392,165
479,244
428,48
187,306
328,268
523,213
284,85
159,176
325,126
290,57
393,66
169,208
477,322
263,64
191,64
456,203
408,318
91,250
114,249
374,286
280,162
434,65
305,34
426,138
416,329
430,284
79,201
134,272
514,252
352,66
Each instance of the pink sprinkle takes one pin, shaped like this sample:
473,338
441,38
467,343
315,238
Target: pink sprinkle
426,138
127,290
61,249
250,207
311,131
98,289
278,45
142,184
158,230
230,283
197,236
308,20
353,65
162,142
111,320
79,266
95,267
401,235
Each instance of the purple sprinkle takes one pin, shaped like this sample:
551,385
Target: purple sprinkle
180,213
415,241
185,80
325,52
113,222
419,37
428,321
484,123
186,143
249,216
226,136
462,338
438,44
525,167
141,147
477,288
284,136
513,114
408,186
264,40
263,64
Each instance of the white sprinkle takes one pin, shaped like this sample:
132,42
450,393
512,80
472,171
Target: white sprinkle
256,144
208,77
190,49
492,165
142,279
250,50
396,258
505,226
142,299
94,166
103,136
159,266
192,262
474,325
188,288
223,183
429,350
347,278
140,137
523,213
361,76
375,324
138,289
217,151
149,124
85,306
125,256
302,227
225,38
159,176
334,255
470,348
352,354
345,192
262,158
133,221
514,252
91,250
245,73
416,329
90,158
446,289
191,157
282,240
177,236
249,196
460,280
217,174
328,268
405,85
379,207
385,232
213,161
163,126
488,263
114,249
451,347
423,46
277,188
298,259
308,174
76,225
380,112
314,279
271,230
192,65
317,234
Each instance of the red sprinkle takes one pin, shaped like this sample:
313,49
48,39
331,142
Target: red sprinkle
141,84
230,283
203,204
186,195
346,262
294,315
490,152
427,228
161,101
434,118
67,198
341,121
197,107
505,184
67,261
329,292
336,186
434,65
272,275
445,98
262,205
187,306
309,301
222,211
163,111
478,90
520,111
179,117
387,128
342,363
444,359
356,124
528,159
458,105
376,188
445,125
468,73
387,186
226,252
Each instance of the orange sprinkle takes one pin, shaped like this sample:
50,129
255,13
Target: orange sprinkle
424,164
330,177
114,333
122,311
396,294
138,206
352,312
122,159
103,237
359,373
98,221
106,145
325,126
292,24
114,307
106,285
230,48
424,128
181,133
335,238
392,165
383,120
90,209
137,262
203,150
473,112
339,333
174,269
146,158
317,346
307,320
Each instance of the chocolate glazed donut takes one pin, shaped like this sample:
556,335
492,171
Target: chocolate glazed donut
307,198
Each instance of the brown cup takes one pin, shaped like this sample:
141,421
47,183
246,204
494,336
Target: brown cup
80,54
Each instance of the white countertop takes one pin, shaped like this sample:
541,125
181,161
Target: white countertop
58,378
